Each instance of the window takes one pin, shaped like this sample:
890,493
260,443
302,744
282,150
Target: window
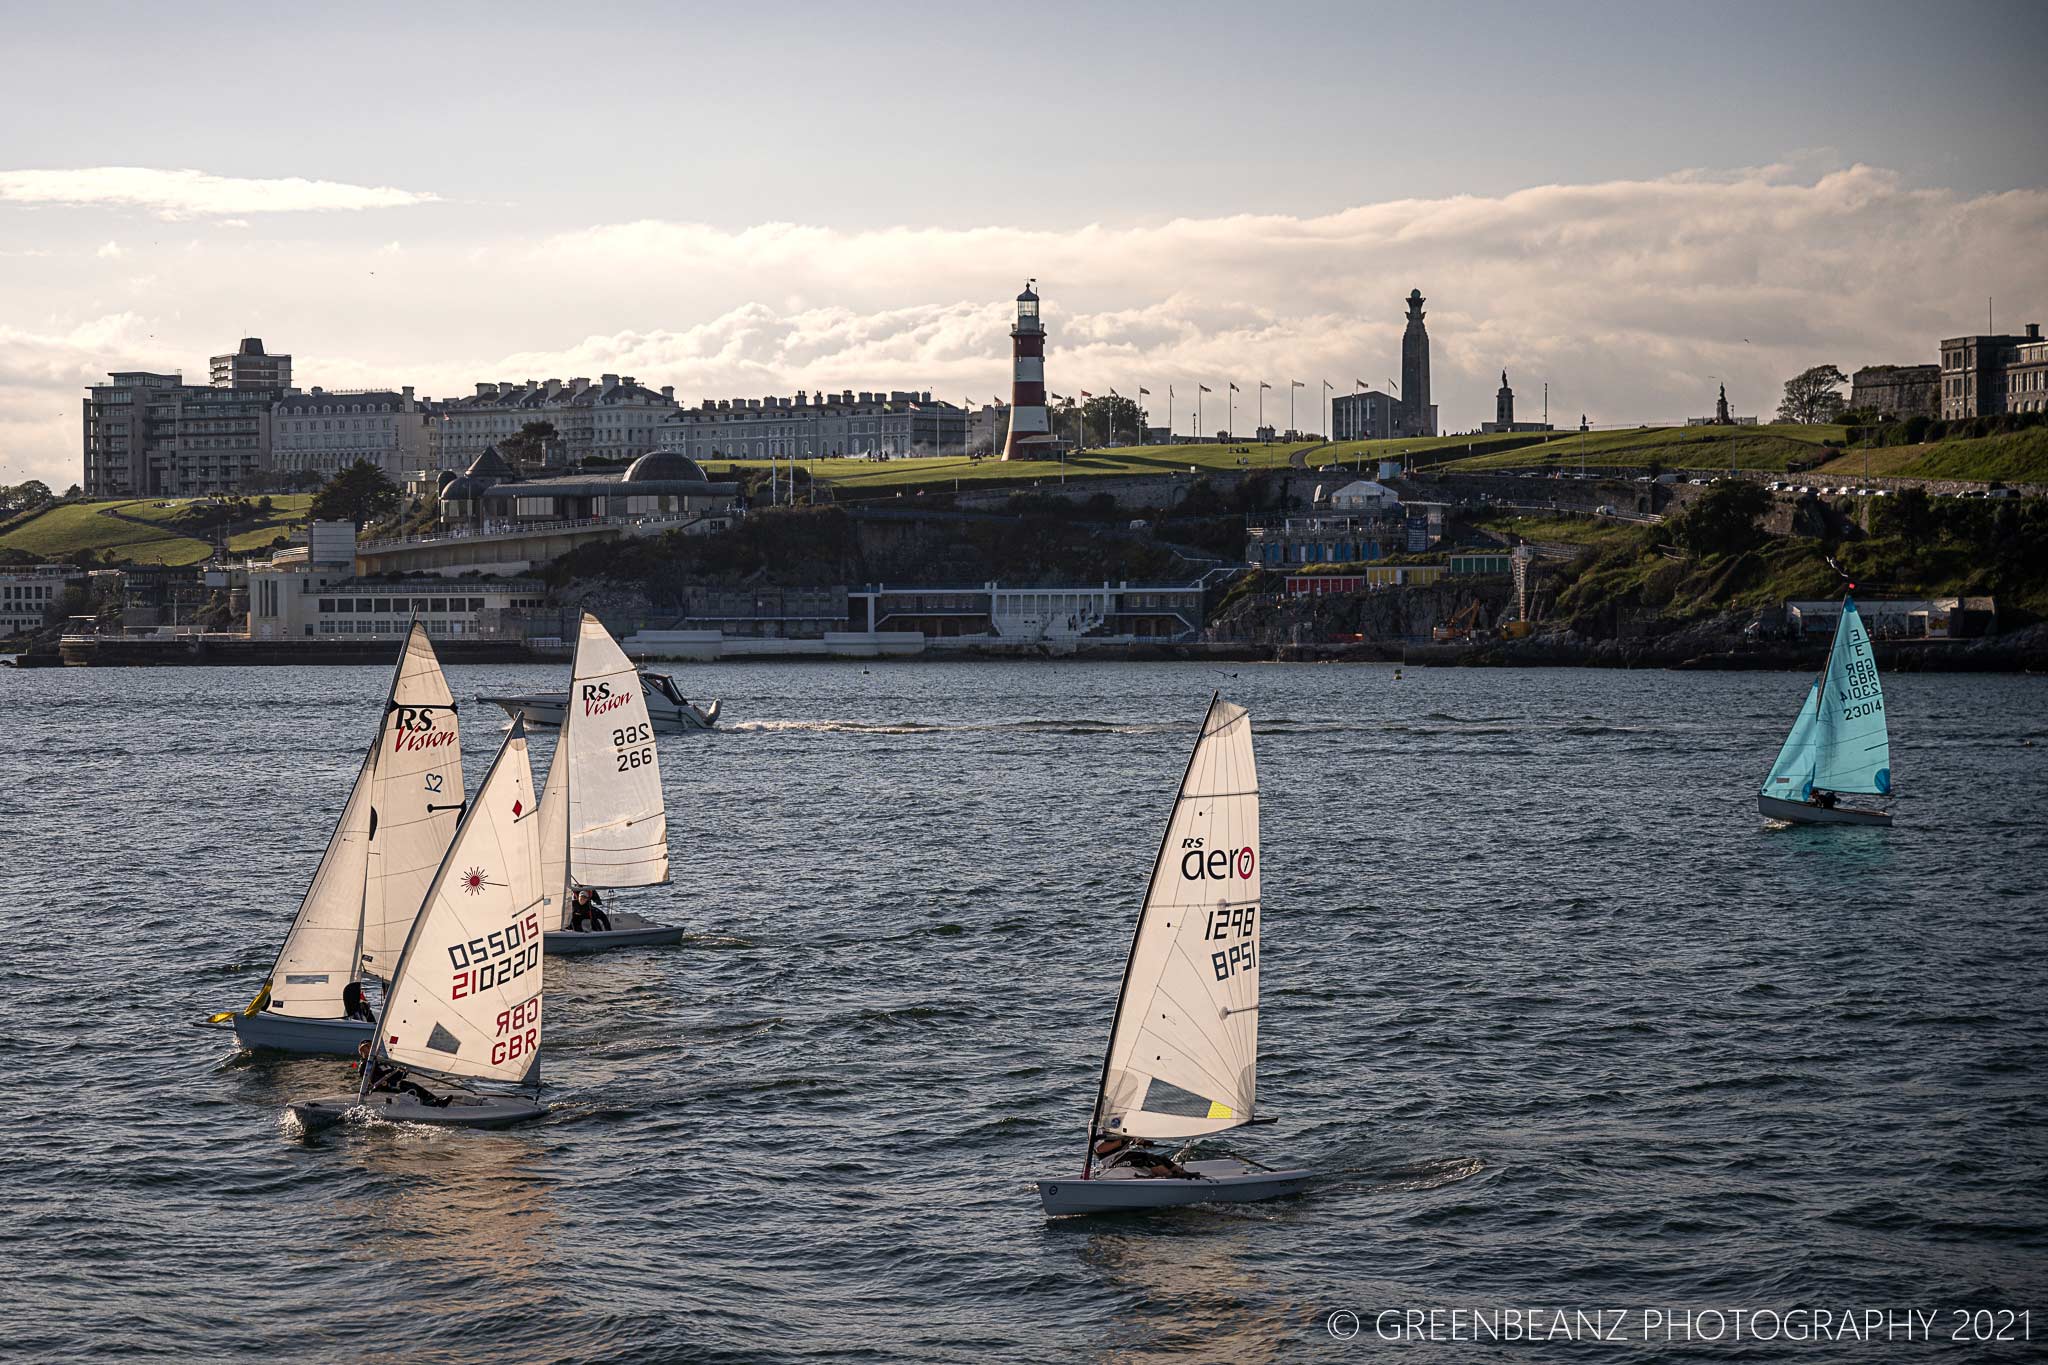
438,604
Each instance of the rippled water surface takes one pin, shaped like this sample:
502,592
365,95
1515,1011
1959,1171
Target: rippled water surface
1564,1022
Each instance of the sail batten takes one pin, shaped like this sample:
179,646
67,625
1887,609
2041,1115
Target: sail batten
1183,1053
1839,741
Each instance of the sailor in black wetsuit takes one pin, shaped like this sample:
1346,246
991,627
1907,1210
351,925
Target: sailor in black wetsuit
585,912
1139,1156
353,1005
394,1079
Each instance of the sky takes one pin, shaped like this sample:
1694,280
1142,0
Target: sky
1631,203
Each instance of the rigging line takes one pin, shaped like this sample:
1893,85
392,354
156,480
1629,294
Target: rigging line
1213,796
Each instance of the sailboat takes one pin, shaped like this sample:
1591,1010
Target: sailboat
604,824
465,998
360,905
1184,1042
1839,742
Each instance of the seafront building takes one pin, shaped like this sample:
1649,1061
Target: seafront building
613,419
249,366
31,596
314,593
870,425
323,432
1982,376
154,435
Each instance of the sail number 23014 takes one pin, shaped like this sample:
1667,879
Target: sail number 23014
635,746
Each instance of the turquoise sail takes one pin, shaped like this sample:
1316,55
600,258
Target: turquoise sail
1839,742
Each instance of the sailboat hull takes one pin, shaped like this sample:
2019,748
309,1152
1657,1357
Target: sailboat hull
465,1109
1800,813
627,931
1223,1181
284,1033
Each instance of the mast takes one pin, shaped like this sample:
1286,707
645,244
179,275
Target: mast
1137,931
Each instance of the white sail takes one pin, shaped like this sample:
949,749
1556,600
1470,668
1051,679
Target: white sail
416,801
319,953
1183,1051
554,838
353,884
618,825
466,999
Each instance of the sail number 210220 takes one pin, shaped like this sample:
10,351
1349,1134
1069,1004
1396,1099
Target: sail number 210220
635,746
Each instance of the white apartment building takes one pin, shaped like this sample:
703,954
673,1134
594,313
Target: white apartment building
613,419
28,596
876,425
325,431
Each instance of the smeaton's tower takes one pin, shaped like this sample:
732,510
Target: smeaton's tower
1418,414
1030,425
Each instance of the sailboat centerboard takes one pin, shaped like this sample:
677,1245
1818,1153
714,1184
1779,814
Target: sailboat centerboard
604,821
1182,1061
1839,744
465,1002
360,904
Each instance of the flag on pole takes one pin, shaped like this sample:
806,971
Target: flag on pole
1145,391
1264,385
1233,388
1086,394
1205,388
1361,383
1297,384
1328,385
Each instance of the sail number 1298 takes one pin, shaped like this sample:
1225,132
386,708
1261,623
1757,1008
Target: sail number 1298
1238,922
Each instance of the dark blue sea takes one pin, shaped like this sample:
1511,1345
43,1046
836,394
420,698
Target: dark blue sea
1563,1023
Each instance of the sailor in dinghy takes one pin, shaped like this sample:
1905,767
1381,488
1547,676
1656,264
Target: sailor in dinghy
1183,1050
1839,744
360,905
465,1000
604,821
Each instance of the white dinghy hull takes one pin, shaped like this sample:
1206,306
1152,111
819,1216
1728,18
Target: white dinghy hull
1223,1181
284,1033
465,1109
547,708
1800,813
627,931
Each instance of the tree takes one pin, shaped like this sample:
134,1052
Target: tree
1812,396
1909,516
530,446
1112,420
23,497
1724,520
359,494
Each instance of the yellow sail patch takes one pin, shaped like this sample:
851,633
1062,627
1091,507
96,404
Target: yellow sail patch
1220,1111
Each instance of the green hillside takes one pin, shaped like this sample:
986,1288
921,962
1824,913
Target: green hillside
2015,457
141,531
1767,448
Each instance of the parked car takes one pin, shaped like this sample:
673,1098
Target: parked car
1605,509
1777,485
2000,491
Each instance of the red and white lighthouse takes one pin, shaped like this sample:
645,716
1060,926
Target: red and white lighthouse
1030,425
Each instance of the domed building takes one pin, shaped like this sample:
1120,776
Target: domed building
658,483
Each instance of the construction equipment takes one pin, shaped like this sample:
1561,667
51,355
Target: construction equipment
1460,626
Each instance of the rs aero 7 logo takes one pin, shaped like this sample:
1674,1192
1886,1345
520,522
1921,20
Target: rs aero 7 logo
599,698
1216,864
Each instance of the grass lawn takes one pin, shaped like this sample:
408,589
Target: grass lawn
2016,457
64,530
1765,448
881,478
1563,530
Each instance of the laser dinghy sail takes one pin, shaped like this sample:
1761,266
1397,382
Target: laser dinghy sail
360,905
604,824
465,999
1184,1043
1839,744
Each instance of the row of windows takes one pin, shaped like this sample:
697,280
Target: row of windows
387,604
392,627
29,592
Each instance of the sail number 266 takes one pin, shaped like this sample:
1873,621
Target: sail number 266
641,736
1238,922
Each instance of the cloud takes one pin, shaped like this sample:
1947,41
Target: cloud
1632,299
186,194
111,251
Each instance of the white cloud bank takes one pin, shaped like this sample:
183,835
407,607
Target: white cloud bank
1632,299
186,194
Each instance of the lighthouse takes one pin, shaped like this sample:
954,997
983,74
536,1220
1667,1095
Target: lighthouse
1030,426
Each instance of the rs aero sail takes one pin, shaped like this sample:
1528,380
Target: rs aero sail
1183,1054
604,823
1839,744
363,898
465,1003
